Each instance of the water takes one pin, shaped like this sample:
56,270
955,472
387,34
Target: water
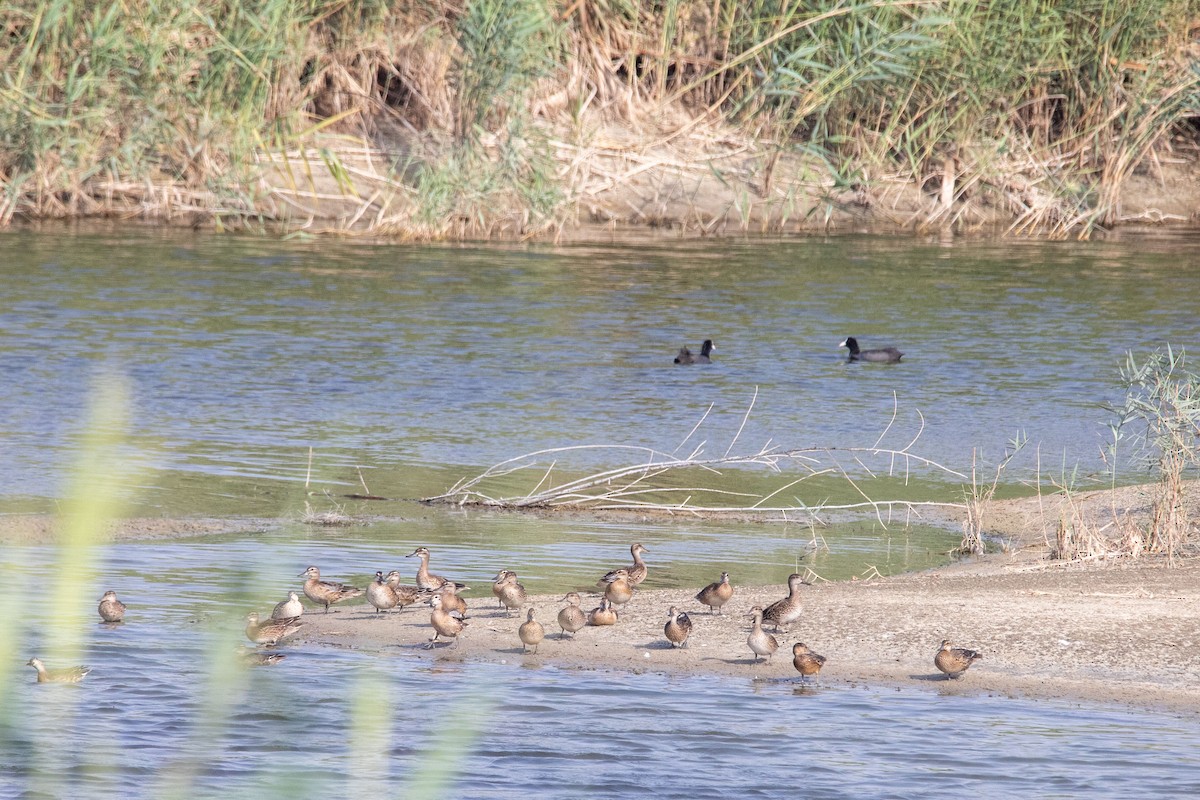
407,368
163,714
421,365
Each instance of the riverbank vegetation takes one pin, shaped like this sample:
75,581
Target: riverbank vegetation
523,117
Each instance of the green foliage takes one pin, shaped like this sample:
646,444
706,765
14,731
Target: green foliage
507,45
1161,417
95,97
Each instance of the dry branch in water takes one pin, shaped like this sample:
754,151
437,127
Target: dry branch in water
650,482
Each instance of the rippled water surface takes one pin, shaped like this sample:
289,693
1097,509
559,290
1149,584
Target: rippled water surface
403,369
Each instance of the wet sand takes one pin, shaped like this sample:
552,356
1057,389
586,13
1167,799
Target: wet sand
1123,635
1114,630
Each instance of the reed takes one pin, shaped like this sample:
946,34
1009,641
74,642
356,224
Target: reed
470,118
1161,418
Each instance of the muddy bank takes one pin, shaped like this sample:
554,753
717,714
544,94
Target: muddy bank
1113,629
1123,635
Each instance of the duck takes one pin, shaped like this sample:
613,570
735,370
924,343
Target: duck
678,627
64,675
444,623
761,643
634,574
451,602
111,609
426,580
381,595
716,595
685,355
881,355
508,591
619,590
805,661
272,631
406,595
786,611
954,661
325,592
531,632
571,618
604,615
287,609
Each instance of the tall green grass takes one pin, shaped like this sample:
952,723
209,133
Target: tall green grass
1031,100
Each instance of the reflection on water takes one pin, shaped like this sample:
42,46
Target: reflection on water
420,365
163,714
407,368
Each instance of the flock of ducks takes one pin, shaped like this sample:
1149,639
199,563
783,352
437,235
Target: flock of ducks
880,355
448,615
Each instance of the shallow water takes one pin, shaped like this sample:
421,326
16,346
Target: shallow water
408,368
415,366
165,714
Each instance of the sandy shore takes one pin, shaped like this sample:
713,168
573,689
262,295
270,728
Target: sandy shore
1118,631
1124,635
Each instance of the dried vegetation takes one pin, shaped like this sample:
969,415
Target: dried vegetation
518,117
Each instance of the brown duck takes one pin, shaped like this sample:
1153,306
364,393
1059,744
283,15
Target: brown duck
618,590
634,574
716,595
508,591
760,642
531,632
954,661
111,609
326,593
426,580
444,623
451,602
64,675
406,595
604,615
678,627
806,662
784,612
381,595
571,618
271,631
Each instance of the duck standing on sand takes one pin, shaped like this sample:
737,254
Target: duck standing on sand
272,631
716,595
619,590
64,675
426,580
760,642
634,574
405,595
444,623
326,593
508,591
531,632
954,661
571,618
784,612
806,662
451,602
111,609
678,627
381,595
